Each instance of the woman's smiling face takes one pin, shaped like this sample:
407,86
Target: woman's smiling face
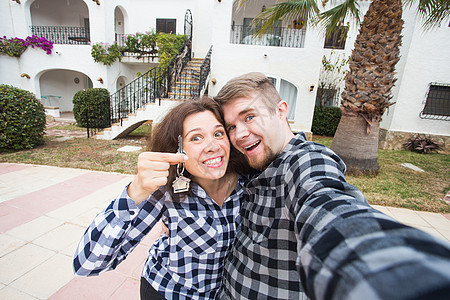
206,144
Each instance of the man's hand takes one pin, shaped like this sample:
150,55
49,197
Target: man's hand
153,170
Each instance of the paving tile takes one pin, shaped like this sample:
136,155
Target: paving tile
102,196
22,260
436,220
47,278
383,209
9,243
85,219
61,237
408,216
431,231
134,261
70,250
48,199
88,288
11,216
33,178
445,233
35,228
7,167
7,293
128,290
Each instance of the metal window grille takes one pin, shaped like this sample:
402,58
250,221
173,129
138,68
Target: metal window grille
279,37
437,103
166,25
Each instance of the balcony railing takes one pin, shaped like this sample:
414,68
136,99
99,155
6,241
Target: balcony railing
144,53
63,34
278,37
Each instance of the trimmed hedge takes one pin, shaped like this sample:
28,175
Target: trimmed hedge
96,102
326,120
22,119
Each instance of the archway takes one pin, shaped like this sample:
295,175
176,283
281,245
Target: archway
59,86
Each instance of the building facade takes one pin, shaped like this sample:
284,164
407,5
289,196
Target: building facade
290,54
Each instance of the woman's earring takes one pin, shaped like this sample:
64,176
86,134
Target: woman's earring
181,183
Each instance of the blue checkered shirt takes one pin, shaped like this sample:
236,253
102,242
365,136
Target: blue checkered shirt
305,230
188,264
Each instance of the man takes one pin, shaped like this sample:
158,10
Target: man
304,228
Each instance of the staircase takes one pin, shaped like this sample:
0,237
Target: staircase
187,84
150,112
138,102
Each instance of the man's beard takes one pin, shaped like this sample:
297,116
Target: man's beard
269,156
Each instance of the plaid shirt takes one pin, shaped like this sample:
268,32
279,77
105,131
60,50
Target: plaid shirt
301,221
185,265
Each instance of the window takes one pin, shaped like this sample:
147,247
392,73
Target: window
327,96
166,25
437,104
288,93
337,39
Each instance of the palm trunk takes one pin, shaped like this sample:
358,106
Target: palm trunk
355,146
368,86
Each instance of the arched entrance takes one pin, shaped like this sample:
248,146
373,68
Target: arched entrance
59,86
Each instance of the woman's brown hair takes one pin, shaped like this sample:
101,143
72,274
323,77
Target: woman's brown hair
164,137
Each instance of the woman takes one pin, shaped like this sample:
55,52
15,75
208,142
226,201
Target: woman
187,263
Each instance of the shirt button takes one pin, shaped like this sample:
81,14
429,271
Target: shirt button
132,212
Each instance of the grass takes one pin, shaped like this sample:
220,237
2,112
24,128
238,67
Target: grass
393,186
401,187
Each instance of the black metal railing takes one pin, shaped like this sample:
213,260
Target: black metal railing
192,79
144,53
63,34
134,95
147,88
278,37
91,129
205,68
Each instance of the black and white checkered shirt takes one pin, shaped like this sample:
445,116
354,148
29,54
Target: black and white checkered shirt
301,221
187,264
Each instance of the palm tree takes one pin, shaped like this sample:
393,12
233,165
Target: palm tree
368,85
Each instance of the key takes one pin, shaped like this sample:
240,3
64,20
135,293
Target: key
181,183
180,145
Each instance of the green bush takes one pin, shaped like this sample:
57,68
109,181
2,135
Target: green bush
326,120
22,119
96,103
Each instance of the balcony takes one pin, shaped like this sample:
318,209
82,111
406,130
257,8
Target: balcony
277,37
63,34
147,55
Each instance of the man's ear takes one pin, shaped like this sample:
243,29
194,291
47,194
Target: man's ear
282,107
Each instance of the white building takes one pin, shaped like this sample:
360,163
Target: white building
290,55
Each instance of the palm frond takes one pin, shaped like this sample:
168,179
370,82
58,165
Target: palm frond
433,12
288,11
335,16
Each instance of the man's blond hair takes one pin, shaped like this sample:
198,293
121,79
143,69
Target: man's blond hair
245,85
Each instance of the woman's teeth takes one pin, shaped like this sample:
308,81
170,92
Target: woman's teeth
213,161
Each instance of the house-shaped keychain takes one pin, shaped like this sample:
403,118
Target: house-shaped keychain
181,184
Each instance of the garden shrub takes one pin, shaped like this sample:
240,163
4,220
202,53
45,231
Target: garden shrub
96,103
326,120
22,119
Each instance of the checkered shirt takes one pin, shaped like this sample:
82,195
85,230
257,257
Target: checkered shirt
188,264
301,222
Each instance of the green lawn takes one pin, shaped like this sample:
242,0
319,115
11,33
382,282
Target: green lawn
402,187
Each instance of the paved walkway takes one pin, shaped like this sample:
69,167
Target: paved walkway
43,213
